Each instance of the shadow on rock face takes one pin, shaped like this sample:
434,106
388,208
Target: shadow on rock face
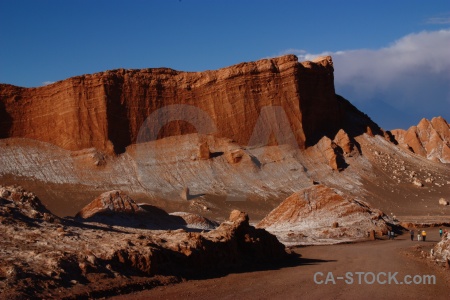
5,122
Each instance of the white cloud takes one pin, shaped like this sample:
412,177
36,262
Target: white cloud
441,19
47,82
412,74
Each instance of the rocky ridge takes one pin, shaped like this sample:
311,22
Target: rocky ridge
430,139
44,256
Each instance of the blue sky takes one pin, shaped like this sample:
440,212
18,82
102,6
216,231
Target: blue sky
390,57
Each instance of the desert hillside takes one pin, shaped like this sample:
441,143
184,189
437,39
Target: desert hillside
242,137
138,171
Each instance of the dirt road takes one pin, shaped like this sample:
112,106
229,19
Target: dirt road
299,281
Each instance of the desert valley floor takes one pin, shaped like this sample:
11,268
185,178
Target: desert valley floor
295,280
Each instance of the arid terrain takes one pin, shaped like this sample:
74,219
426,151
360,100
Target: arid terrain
155,176
296,280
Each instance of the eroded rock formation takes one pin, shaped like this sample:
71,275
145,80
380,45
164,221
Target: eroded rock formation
118,208
430,139
43,256
441,252
110,203
319,214
330,152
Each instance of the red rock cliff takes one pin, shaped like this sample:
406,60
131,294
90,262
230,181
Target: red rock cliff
106,110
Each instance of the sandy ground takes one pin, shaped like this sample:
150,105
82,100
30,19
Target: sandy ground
296,281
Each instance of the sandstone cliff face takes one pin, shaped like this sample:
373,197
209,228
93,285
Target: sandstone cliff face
107,110
430,139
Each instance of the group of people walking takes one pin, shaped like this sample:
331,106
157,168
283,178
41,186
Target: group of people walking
422,234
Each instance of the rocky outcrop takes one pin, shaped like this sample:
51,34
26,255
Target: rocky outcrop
343,140
441,252
117,208
203,151
235,156
430,139
185,194
22,205
107,110
319,214
330,152
195,221
62,258
109,204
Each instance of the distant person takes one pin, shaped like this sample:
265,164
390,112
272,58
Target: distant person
411,232
440,233
418,235
392,234
389,235
424,235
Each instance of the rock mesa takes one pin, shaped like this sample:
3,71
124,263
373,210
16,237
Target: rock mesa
107,110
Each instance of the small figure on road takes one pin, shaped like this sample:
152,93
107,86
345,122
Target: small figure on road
392,234
411,232
424,235
440,233
418,236
389,234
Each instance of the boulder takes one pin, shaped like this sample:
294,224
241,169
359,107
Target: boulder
234,156
417,182
185,194
203,151
442,201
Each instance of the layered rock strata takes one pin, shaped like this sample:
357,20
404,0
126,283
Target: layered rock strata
320,214
245,102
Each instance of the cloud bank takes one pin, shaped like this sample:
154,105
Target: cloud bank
411,77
